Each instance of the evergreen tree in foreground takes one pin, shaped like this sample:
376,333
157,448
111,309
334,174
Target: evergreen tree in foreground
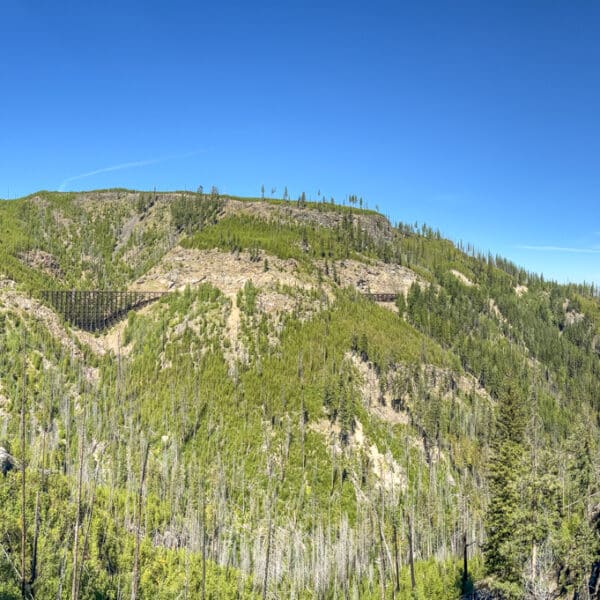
506,549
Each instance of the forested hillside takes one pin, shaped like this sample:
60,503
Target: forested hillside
269,429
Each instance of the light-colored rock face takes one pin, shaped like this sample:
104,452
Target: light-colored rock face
390,400
496,311
572,316
377,401
6,284
224,270
389,475
379,397
376,226
521,289
374,278
462,278
284,286
229,272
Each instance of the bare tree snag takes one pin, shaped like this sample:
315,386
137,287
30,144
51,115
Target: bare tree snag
411,558
23,481
396,559
74,579
135,579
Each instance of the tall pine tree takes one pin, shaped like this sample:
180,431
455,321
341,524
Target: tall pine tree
506,550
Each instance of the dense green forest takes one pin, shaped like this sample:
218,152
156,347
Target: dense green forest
267,430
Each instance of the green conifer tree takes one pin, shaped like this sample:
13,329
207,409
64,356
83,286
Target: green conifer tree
506,549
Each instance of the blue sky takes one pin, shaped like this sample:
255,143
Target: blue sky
479,118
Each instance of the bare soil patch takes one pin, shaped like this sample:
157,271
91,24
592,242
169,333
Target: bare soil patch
42,261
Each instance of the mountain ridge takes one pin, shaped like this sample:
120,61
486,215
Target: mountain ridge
295,426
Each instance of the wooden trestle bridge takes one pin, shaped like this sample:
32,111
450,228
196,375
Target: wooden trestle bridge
383,297
94,310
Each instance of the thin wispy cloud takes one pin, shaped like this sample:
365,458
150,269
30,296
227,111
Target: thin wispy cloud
571,249
122,166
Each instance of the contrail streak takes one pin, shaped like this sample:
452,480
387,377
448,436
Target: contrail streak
121,166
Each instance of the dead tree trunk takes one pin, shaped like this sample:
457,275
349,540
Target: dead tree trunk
74,579
89,523
411,557
203,543
23,481
34,551
272,509
136,557
396,560
465,575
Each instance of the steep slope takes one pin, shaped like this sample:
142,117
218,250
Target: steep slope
303,440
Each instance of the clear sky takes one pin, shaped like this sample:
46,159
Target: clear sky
478,118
